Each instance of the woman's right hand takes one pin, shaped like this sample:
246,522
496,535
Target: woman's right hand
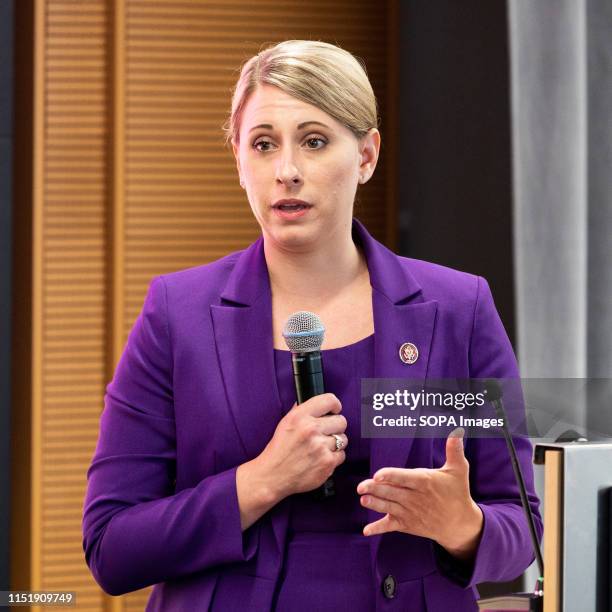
302,453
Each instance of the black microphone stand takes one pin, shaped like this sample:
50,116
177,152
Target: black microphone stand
494,395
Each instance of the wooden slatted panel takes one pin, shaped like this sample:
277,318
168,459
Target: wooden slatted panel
72,279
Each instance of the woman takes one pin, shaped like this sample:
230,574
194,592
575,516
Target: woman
201,479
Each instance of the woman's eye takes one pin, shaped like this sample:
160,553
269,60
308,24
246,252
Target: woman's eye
261,142
315,138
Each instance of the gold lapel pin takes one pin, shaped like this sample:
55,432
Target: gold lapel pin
408,353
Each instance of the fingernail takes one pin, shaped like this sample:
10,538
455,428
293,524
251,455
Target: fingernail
458,432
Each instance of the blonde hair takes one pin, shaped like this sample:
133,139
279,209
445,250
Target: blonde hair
315,72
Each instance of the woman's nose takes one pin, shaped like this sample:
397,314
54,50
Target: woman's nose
287,172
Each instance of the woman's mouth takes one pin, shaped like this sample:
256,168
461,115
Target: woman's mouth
291,210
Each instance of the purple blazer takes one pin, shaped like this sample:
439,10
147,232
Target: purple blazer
194,396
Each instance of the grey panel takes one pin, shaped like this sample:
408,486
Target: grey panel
586,520
587,474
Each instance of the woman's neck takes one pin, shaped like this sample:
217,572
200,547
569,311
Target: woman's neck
315,275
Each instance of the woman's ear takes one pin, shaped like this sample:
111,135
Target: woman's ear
369,147
236,150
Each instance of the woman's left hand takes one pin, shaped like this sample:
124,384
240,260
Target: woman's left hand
432,503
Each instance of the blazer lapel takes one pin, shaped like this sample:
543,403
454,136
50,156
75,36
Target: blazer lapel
242,326
400,315
243,336
394,325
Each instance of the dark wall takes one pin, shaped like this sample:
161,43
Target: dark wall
454,144
6,165
455,191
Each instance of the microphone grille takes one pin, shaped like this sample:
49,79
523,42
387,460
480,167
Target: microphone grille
304,332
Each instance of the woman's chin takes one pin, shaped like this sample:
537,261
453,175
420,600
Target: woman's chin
294,237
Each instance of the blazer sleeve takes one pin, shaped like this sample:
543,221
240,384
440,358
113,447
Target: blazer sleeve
505,548
136,530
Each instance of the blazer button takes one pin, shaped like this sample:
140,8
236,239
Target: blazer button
388,587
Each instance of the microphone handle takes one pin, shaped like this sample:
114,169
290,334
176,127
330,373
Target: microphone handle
308,378
308,375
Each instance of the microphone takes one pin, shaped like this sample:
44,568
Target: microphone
303,333
494,395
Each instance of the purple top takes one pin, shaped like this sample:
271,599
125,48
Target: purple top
325,540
